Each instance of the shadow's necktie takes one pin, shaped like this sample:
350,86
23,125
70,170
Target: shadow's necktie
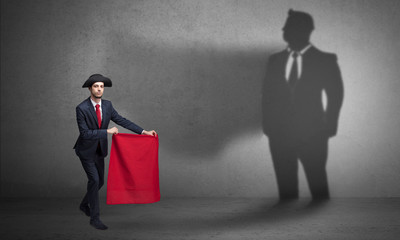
98,113
293,77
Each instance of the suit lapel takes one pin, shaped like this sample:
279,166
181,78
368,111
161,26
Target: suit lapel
103,110
91,110
281,62
308,61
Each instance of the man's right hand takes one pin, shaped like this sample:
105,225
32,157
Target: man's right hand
112,130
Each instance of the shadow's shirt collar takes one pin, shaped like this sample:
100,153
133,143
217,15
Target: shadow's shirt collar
302,51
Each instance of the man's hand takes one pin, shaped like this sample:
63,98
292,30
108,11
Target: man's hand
150,133
112,130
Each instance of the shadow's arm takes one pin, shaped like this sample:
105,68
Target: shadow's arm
268,98
335,93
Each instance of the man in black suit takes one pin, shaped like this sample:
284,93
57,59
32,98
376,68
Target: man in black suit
93,116
296,121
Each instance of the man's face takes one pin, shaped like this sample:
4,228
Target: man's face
296,34
97,89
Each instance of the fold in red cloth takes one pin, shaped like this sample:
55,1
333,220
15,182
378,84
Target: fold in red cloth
133,170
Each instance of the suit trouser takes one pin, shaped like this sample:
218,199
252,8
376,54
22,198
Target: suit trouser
94,169
312,151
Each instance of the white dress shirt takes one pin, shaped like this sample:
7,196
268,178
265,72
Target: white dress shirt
94,105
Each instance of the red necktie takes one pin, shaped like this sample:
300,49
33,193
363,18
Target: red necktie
98,113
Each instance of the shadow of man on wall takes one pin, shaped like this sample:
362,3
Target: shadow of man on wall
295,118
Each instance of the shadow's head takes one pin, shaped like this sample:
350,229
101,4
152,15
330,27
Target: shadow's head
297,29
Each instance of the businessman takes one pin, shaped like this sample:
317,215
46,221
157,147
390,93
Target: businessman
93,116
295,119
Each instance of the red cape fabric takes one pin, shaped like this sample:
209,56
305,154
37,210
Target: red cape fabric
133,171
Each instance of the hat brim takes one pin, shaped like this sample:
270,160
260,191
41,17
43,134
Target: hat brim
107,82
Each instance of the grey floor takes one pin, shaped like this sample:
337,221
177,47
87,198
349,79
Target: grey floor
204,218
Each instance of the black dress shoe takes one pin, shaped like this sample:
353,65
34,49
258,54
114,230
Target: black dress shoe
98,224
85,209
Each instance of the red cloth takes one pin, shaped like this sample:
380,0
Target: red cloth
133,170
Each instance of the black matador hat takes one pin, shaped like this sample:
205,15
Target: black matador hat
97,78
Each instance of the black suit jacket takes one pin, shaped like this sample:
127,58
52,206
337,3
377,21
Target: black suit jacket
300,110
90,135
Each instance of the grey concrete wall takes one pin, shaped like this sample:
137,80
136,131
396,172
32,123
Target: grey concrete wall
192,70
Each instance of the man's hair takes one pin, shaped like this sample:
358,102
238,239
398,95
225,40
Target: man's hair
300,20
